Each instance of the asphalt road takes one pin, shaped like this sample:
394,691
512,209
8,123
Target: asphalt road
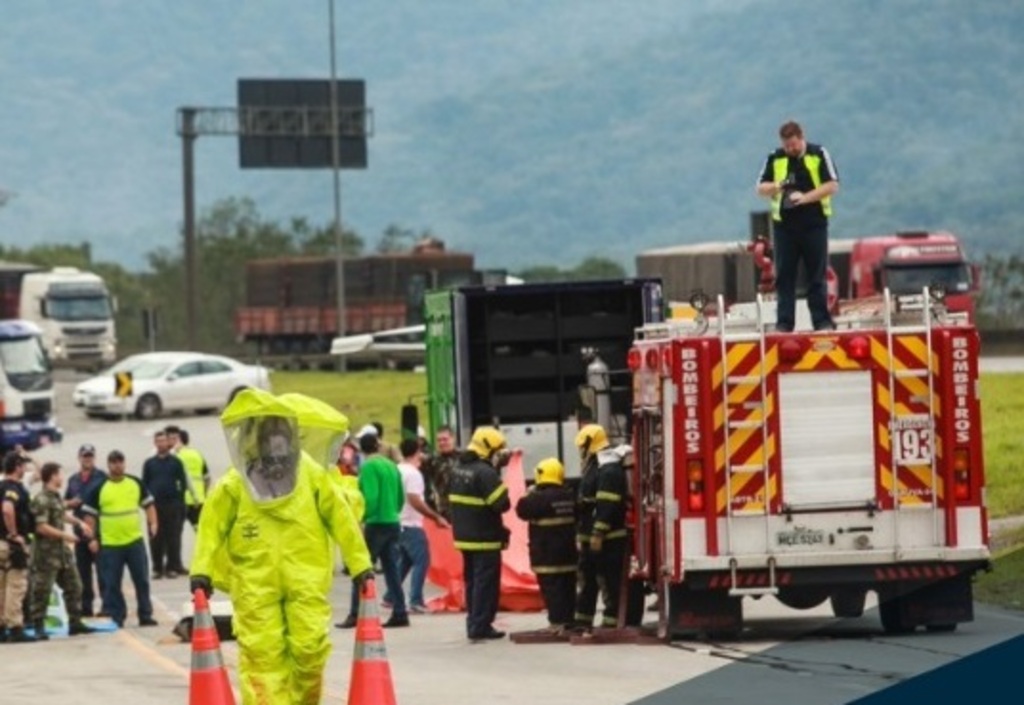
781,651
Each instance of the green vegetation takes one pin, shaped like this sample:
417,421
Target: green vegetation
1002,408
362,396
1002,586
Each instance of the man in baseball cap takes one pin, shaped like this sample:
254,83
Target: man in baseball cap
79,486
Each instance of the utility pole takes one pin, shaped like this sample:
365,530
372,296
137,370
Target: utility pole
187,130
339,253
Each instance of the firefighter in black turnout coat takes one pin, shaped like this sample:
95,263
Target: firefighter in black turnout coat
478,498
601,528
550,509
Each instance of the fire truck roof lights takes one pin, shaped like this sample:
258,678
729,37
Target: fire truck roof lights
858,347
791,349
633,359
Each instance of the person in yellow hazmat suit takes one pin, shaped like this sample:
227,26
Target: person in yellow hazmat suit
272,516
323,432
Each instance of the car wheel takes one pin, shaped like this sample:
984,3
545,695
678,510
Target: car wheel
234,393
148,407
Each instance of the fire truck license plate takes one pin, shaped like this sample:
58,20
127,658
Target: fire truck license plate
912,438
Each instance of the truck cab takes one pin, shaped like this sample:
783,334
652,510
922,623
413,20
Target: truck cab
26,388
905,262
75,312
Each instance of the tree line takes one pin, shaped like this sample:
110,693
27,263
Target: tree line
229,234
232,232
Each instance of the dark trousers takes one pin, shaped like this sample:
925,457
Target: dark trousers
481,571
793,246
166,545
600,572
112,562
382,541
559,593
85,560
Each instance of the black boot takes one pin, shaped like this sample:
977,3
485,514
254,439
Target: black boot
18,636
40,630
79,627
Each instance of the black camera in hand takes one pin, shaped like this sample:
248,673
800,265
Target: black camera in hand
788,186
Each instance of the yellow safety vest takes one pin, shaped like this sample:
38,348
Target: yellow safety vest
193,461
780,169
118,508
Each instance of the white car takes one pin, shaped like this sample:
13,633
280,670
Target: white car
169,381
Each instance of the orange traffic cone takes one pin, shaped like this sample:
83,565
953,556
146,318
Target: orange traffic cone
371,675
208,683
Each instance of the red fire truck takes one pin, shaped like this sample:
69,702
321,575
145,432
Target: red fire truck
905,262
814,467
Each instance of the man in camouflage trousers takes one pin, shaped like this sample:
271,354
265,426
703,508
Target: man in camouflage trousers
52,559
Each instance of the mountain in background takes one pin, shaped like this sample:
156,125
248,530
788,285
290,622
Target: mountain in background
529,132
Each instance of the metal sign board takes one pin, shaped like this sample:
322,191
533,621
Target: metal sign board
276,117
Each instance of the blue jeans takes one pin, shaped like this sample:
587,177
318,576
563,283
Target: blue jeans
414,557
810,246
383,540
111,563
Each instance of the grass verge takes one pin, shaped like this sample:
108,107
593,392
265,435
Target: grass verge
1004,585
376,395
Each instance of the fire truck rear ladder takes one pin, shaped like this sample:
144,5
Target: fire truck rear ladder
893,331
729,383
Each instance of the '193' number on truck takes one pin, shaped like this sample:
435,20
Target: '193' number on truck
913,446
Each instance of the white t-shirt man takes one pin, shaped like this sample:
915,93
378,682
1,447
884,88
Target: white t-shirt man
413,483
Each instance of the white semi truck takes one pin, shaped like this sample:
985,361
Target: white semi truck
72,308
26,389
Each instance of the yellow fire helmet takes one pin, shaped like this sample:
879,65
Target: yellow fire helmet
549,471
591,439
486,441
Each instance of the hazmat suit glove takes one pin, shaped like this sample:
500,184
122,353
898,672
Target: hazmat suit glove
596,543
201,582
360,580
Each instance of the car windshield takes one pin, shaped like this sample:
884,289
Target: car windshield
24,363
140,366
955,277
81,308
150,369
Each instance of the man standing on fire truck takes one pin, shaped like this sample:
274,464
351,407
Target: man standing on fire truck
601,530
801,179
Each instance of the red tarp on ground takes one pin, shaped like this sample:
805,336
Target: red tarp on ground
519,591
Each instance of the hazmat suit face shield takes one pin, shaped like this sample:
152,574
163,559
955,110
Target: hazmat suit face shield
324,445
266,452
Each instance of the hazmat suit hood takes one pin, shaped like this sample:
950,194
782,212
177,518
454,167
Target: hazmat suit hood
263,440
323,429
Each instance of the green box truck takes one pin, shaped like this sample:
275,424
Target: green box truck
518,357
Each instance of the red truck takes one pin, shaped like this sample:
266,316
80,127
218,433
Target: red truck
905,262
812,466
